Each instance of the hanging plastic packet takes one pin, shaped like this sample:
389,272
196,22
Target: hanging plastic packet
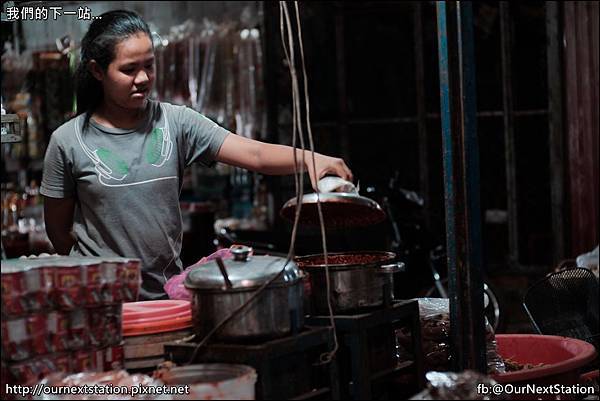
336,184
589,261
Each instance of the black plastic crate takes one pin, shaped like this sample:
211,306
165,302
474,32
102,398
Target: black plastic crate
287,368
370,366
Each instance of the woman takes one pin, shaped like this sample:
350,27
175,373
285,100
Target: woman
113,174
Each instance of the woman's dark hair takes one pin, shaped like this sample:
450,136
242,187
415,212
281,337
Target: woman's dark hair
99,44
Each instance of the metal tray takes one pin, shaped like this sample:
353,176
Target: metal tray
340,210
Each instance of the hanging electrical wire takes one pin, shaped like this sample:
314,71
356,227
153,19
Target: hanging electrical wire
297,133
290,52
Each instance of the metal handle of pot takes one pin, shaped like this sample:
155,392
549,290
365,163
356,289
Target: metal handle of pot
223,270
240,252
397,267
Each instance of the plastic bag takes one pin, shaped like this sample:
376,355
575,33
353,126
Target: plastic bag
466,385
174,286
336,184
435,333
495,363
434,314
589,261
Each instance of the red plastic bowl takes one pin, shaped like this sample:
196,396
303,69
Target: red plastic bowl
563,358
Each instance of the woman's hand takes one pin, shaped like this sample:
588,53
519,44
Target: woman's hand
267,158
326,165
58,216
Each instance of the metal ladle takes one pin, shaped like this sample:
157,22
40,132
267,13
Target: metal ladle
223,270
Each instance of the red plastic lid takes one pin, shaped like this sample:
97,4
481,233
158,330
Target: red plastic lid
150,317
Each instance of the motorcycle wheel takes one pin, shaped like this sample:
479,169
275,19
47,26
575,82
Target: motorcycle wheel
493,311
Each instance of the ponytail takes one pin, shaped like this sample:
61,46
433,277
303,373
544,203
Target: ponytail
88,91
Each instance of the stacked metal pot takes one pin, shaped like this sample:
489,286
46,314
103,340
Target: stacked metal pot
357,280
222,286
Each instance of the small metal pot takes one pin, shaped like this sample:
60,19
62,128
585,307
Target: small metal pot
357,280
220,287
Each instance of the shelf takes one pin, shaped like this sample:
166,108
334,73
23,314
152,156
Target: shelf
388,372
415,119
14,166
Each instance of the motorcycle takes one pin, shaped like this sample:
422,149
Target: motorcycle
427,270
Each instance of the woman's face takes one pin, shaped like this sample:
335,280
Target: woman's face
129,78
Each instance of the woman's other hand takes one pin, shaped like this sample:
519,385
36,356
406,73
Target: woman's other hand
325,165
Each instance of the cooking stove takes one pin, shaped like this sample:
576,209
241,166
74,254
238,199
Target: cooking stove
369,361
287,368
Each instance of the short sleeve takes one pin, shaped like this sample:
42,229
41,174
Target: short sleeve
202,137
57,177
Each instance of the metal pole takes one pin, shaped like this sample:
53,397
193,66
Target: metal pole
555,126
509,134
340,53
421,111
271,42
461,181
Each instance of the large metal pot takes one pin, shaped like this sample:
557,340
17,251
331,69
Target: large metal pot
213,381
357,280
220,290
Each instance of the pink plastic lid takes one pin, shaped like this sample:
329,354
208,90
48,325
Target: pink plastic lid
150,317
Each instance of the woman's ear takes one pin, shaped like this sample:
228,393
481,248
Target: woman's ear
95,70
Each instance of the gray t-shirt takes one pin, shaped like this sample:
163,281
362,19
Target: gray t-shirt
127,185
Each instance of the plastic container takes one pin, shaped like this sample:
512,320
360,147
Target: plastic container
148,325
26,287
562,357
149,317
213,381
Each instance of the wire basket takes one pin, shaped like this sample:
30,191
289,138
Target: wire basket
565,303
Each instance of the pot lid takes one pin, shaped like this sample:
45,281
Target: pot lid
340,210
244,272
